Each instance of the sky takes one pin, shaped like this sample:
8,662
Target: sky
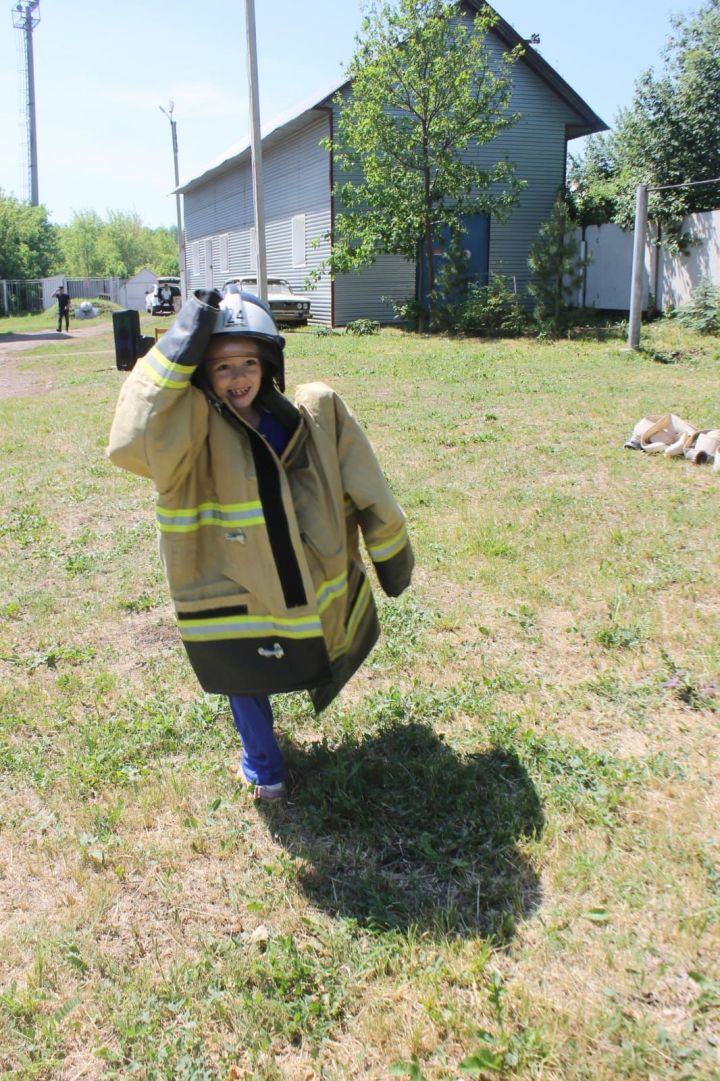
103,70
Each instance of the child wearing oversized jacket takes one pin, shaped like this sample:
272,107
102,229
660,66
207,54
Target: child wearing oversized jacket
260,505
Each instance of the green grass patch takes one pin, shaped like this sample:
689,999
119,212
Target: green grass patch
499,857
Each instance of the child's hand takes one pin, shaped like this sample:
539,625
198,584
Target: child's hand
211,297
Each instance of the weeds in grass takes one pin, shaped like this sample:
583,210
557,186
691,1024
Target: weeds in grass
686,689
145,602
502,1051
24,525
511,809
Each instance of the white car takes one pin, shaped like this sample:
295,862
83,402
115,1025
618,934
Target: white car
160,300
286,306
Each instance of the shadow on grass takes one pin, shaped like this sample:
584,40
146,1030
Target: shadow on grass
398,830
8,337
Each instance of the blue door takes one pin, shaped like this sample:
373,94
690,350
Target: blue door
476,237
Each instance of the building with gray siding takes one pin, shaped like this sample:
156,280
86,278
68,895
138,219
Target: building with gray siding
299,176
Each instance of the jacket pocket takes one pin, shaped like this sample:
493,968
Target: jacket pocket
318,509
324,552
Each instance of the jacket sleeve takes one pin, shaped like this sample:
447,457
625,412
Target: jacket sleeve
160,421
381,520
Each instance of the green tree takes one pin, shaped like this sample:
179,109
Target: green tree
668,136
126,240
81,247
134,245
118,246
162,253
557,268
28,240
425,95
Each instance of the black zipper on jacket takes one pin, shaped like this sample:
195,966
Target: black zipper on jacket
270,492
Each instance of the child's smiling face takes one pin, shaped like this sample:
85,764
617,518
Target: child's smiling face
234,367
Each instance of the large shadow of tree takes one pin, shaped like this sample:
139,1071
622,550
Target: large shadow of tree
396,829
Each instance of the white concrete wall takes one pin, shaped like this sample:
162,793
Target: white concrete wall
671,278
49,286
678,275
132,292
607,278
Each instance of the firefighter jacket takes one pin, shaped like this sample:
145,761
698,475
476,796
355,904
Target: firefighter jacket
261,553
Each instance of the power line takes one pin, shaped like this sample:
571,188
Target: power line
685,184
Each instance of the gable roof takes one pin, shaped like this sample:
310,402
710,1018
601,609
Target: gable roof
588,122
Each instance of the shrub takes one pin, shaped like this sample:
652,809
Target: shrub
451,284
406,311
493,310
703,311
363,326
557,268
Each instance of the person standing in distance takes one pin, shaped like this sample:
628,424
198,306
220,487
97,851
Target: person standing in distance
63,299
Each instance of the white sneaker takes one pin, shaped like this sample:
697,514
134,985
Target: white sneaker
269,791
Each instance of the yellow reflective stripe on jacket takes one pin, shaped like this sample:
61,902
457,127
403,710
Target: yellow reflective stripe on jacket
330,591
188,519
164,372
236,626
361,605
380,552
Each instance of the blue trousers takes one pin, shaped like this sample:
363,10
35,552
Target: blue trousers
262,760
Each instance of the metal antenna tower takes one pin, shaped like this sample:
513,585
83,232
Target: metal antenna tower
25,19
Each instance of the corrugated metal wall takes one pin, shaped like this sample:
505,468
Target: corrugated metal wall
296,181
536,143
359,295
537,146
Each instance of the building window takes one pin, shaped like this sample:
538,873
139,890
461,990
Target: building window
298,240
224,266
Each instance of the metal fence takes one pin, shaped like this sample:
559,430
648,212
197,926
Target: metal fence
24,297
21,297
87,288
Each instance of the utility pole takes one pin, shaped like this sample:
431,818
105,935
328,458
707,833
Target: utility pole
181,240
256,151
25,20
638,267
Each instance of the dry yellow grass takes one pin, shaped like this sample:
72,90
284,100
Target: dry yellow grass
507,824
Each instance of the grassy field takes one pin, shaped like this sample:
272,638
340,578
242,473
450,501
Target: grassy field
501,857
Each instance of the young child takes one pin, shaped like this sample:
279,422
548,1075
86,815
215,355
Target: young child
260,505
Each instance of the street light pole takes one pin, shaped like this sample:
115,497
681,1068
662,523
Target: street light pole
181,241
256,150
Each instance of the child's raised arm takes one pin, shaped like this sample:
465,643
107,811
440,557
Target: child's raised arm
161,419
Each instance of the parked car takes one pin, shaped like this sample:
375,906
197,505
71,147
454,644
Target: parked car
160,300
286,306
